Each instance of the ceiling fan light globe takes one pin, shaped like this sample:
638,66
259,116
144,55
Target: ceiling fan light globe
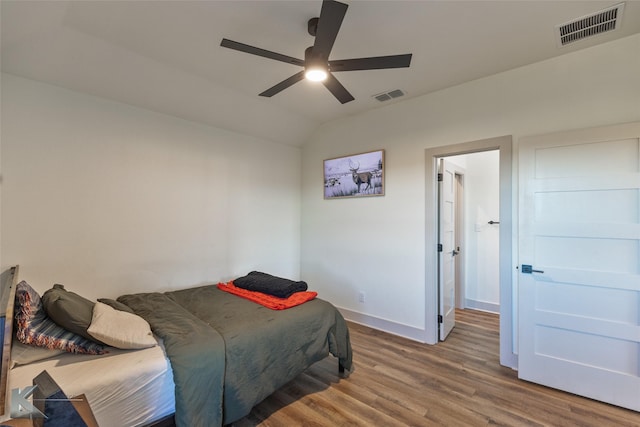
316,74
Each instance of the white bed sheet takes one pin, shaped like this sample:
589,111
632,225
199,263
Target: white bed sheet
124,387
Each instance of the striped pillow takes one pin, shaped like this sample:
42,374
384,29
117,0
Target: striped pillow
34,327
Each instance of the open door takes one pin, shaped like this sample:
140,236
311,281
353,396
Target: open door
447,250
579,281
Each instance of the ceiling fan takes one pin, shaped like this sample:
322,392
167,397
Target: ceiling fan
316,63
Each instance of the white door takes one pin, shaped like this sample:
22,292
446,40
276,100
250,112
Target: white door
446,248
579,279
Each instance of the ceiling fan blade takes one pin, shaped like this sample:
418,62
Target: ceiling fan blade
373,63
283,85
336,88
331,16
260,52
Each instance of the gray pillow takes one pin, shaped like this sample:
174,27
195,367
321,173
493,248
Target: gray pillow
69,310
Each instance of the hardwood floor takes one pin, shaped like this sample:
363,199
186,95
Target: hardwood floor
398,382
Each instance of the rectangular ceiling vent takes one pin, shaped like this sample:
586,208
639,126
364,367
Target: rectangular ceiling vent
385,96
600,22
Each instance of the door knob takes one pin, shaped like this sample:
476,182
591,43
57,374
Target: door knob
527,269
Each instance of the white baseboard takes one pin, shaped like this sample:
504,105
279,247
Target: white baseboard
394,328
482,305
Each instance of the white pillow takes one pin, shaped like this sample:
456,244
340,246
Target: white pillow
120,329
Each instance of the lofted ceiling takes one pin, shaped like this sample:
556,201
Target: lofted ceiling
165,56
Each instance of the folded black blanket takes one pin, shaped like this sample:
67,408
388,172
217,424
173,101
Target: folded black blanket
277,286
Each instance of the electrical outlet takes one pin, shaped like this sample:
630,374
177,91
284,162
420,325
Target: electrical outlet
361,296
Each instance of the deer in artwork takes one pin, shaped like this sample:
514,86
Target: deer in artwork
360,178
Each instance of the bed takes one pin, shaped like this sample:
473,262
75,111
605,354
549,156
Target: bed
219,355
123,387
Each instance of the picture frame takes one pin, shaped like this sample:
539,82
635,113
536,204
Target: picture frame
355,175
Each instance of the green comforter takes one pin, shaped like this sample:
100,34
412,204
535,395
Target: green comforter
228,354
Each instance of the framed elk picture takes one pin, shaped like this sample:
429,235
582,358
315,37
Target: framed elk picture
357,175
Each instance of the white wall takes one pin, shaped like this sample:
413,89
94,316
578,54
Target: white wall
377,244
109,199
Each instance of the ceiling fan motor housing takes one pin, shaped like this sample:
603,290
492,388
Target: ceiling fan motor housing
311,60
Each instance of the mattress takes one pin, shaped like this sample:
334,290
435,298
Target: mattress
124,387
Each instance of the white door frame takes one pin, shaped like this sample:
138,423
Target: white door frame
508,356
461,294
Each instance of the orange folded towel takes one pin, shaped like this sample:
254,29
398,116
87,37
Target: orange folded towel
269,301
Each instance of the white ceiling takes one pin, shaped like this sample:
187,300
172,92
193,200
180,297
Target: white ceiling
166,56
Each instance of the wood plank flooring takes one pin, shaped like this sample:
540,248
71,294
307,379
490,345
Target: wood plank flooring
398,382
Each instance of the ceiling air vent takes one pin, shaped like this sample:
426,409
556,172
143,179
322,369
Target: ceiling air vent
600,22
385,96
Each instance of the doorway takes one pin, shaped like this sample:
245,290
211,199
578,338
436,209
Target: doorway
477,230
503,145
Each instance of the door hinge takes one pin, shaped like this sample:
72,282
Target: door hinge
440,320
439,247
440,178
